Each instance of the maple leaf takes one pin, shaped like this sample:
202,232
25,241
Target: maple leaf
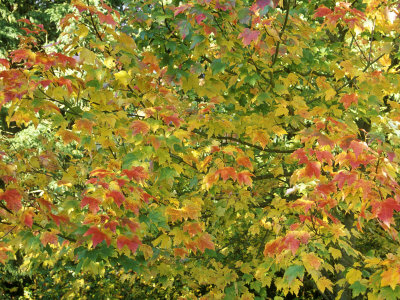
92,202
192,228
263,3
108,19
58,219
172,119
326,189
181,252
12,198
68,136
132,243
358,147
245,162
27,218
311,261
390,277
97,236
291,243
322,11
199,18
313,168
226,173
136,173
343,177
48,238
384,210
348,99
5,62
140,127
249,36
204,242
244,177
174,213
301,155
118,197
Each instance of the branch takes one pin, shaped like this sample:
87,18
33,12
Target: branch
281,33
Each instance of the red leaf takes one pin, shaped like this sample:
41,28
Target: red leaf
112,225
27,218
226,173
118,197
106,18
322,11
140,127
199,18
348,99
313,168
384,210
249,36
326,189
136,173
92,202
133,226
5,63
263,3
58,219
204,242
301,155
97,236
65,60
13,199
245,178
324,156
132,243
291,243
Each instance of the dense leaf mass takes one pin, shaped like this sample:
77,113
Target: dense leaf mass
212,149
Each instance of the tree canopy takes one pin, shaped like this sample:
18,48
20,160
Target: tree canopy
204,149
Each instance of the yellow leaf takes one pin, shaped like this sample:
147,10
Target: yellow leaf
87,56
109,62
353,275
123,77
82,31
281,110
335,253
324,283
330,93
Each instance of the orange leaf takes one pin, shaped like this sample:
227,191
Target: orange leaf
48,238
192,228
348,99
245,162
390,277
245,178
313,168
226,173
204,242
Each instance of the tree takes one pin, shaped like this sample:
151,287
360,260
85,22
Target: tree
225,149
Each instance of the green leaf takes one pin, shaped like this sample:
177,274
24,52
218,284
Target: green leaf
293,272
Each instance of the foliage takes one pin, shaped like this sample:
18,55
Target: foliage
215,149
